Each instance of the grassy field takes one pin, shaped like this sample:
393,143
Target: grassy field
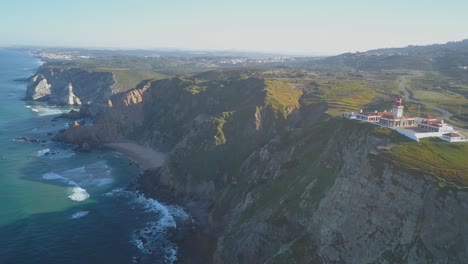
446,161
442,91
352,92
127,79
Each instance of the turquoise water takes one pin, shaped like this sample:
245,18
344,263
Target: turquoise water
62,206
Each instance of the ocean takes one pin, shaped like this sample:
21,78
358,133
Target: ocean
62,206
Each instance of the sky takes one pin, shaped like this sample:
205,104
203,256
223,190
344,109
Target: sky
289,26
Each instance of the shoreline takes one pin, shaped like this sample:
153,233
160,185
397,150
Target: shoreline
145,157
196,242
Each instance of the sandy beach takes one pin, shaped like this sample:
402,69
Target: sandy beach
145,157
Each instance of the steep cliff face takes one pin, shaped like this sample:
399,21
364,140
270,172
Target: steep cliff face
351,207
69,86
166,113
285,183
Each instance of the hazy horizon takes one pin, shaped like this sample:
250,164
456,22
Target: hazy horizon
293,27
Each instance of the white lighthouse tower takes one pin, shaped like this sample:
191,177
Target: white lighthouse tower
397,110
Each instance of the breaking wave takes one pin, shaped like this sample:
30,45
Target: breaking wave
78,194
152,237
43,152
79,214
47,110
94,175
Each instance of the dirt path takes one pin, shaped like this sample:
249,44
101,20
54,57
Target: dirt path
145,157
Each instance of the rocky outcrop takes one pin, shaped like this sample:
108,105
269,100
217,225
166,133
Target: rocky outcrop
38,88
70,86
85,137
70,97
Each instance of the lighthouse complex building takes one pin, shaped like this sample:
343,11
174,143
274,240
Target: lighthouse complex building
412,127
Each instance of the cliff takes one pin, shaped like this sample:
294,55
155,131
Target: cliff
69,86
284,182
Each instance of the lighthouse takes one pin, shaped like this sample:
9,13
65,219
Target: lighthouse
397,110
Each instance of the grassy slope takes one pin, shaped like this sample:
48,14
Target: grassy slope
281,96
126,79
447,161
349,93
229,120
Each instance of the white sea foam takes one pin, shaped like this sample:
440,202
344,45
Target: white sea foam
62,154
46,110
79,171
154,233
114,192
41,153
97,174
171,255
53,176
79,194
151,238
100,182
152,205
178,212
79,214
72,183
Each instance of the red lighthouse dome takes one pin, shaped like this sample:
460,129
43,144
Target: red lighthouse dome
398,102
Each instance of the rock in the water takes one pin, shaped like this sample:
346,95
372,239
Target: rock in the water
73,114
85,147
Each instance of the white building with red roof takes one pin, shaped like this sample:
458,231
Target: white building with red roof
453,137
414,128
393,118
431,124
396,118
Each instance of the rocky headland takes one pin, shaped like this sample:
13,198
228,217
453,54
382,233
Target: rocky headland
278,180
69,86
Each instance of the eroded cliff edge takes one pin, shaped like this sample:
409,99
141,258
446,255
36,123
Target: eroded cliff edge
69,86
283,182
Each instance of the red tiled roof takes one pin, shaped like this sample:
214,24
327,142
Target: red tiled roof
432,123
376,114
392,117
452,134
388,117
384,113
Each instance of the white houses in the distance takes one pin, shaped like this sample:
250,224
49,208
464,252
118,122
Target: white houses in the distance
414,128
